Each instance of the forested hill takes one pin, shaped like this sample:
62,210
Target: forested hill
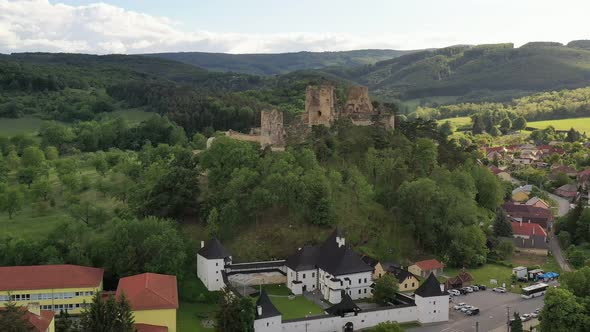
476,72
272,64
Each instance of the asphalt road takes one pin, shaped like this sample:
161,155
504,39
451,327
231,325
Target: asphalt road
564,207
493,307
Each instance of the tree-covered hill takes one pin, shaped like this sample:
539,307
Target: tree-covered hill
473,72
273,64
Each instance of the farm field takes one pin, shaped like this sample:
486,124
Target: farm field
580,124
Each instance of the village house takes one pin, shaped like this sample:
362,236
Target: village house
408,282
569,191
583,178
537,202
378,270
500,173
528,213
530,237
424,268
569,171
521,194
153,299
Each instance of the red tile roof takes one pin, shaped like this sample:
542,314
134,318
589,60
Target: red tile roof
41,322
528,229
525,211
150,328
49,276
429,264
150,291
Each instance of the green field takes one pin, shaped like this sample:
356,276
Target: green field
457,122
190,316
580,124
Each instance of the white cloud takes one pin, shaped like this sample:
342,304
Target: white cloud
38,25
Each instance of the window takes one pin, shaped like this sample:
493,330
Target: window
365,291
313,274
365,280
412,284
406,285
434,302
216,264
360,280
304,276
435,311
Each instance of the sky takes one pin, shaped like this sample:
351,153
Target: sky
277,26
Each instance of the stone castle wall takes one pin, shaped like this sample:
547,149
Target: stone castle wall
358,101
271,127
319,105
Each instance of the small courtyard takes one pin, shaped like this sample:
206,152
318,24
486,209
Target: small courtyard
289,305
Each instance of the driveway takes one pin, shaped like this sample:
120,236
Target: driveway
493,312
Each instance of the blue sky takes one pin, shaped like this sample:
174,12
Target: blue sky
136,26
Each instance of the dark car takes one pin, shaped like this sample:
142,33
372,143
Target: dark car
473,312
482,287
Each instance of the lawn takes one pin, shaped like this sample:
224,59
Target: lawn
133,116
457,122
297,308
484,274
190,315
580,124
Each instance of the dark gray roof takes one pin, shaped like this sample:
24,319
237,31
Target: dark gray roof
303,260
213,250
334,259
430,287
268,309
370,261
400,274
345,306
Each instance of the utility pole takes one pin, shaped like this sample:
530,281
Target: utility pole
508,318
476,326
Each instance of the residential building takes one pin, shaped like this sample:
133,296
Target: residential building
330,268
569,191
537,202
52,287
432,301
500,173
378,270
528,213
530,237
569,171
408,282
211,261
426,267
40,320
521,194
153,299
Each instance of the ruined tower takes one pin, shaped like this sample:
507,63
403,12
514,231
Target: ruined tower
358,101
271,128
319,105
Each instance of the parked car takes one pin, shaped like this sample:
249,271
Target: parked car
482,287
475,288
534,314
468,289
457,307
454,292
473,312
499,289
538,310
464,309
525,318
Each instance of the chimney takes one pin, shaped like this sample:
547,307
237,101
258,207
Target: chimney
202,244
442,287
34,308
259,310
520,222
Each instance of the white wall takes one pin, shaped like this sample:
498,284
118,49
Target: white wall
358,282
361,321
432,309
271,324
209,271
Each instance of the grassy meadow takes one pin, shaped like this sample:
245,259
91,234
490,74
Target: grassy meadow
580,124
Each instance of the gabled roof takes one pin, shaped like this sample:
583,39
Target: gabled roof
568,187
150,291
345,306
330,256
49,277
150,328
526,211
268,309
430,287
213,250
429,264
526,189
40,322
400,274
535,200
527,229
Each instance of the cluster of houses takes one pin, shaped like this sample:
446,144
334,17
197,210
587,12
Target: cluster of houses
42,291
333,271
526,154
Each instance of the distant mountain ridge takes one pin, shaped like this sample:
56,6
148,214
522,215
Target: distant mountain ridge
280,63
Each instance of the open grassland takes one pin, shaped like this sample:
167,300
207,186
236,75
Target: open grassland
580,124
458,121
190,316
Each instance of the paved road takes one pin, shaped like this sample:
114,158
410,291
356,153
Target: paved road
564,207
564,204
493,307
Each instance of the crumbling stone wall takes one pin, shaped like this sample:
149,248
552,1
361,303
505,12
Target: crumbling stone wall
358,101
319,105
271,127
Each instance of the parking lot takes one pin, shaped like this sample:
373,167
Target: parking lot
493,311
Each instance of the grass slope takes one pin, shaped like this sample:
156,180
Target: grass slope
25,125
580,124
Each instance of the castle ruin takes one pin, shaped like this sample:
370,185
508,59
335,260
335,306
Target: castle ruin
319,105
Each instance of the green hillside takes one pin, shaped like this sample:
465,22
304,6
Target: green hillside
476,72
272,64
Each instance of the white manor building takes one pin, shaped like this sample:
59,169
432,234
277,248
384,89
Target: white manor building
331,268
339,274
